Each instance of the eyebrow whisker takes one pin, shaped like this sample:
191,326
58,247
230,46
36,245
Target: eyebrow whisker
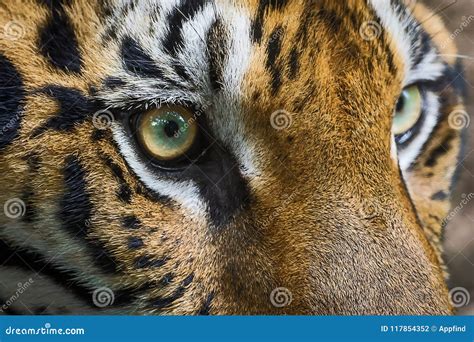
454,55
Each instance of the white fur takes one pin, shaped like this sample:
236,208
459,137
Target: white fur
429,69
185,192
395,27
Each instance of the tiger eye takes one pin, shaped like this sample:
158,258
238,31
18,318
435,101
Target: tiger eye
408,110
167,133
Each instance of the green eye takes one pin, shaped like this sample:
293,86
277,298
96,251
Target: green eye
167,133
408,110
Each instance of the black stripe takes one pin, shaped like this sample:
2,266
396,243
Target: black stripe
258,22
152,196
135,242
98,134
423,48
12,98
167,279
180,70
383,40
452,77
331,19
115,168
75,213
439,151
31,212
124,193
162,303
131,222
440,196
75,205
137,61
392,68
57,39
74,108
173,41
148,262
301,35
217,53
55,4
460,82
103,258
34,162
273,52
140,190
221,184
35,262
293,63
206,307
110,33
114,82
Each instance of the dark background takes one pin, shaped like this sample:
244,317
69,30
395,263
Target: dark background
459,235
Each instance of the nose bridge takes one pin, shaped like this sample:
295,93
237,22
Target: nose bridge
353,240
344,166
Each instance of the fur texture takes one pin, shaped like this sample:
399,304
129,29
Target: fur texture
330,208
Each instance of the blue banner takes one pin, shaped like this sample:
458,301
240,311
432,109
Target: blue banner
261,328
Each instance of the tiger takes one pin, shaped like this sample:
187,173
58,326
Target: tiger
226,157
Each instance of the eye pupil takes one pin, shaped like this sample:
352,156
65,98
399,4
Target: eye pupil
400,103
171,129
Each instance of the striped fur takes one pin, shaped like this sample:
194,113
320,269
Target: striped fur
332,208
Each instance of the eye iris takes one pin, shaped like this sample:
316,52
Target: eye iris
169,129
166,134
408,110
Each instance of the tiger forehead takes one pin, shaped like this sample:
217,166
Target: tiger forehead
190,50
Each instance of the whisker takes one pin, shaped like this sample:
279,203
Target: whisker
453,55
190,23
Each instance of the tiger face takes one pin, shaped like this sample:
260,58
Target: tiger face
226,157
